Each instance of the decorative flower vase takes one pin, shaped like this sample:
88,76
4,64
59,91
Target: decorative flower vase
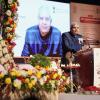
43,95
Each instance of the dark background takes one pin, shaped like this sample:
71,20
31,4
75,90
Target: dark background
94,2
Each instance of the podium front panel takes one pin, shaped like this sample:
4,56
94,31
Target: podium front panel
85,59
96,60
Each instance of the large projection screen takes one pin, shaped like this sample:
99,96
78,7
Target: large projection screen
27,17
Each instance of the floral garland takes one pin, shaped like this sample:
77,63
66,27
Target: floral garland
6,59
9,19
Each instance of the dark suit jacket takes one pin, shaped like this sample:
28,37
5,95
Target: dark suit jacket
71,42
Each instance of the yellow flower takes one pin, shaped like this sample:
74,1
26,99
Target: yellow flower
33,82
47,67
8,80
38,74
14,70
1,75
27,80
52,81
47,76
30,85
18,73
13,73
14,25
55,76
29,72
37,67
63,77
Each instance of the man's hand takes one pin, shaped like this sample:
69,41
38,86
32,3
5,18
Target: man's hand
69,56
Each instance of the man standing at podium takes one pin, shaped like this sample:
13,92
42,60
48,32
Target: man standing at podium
72,42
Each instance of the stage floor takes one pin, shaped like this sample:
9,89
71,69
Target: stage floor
65,96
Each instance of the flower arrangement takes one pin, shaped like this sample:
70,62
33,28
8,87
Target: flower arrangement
32,80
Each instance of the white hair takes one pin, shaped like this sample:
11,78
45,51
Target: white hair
73,24
45,9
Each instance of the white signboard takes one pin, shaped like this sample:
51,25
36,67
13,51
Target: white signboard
96,67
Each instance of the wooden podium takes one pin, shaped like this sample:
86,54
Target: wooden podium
85,59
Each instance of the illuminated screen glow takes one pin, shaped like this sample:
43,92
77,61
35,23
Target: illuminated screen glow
27,17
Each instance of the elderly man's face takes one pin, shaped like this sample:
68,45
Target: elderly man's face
44,23
75,29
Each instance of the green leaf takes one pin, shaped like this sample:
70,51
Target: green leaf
40,60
